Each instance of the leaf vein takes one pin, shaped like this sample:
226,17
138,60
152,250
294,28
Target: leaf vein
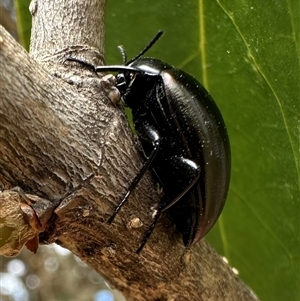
230,16
202,42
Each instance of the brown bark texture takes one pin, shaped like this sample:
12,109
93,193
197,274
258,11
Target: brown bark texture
65,141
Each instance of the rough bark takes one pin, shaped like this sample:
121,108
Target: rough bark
64,140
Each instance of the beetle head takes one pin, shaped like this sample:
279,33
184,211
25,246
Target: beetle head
134,85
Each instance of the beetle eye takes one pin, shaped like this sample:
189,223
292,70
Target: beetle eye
121,82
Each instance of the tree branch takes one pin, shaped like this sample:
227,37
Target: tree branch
63,139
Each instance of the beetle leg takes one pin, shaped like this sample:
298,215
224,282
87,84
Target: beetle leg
149,231
155,139
186,203
185,166
191,172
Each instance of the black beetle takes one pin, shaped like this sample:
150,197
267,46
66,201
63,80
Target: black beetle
184,140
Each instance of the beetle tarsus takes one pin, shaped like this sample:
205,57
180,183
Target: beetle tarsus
117,209
149,231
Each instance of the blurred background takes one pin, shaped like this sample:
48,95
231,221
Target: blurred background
53,274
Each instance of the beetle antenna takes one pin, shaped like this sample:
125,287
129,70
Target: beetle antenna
113,68
152,42
123,53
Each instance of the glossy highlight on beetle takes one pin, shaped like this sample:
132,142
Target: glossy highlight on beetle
184,141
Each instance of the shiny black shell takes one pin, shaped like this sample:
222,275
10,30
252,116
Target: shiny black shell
190,126
184,141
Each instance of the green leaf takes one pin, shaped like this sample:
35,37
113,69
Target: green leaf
23,22
246,53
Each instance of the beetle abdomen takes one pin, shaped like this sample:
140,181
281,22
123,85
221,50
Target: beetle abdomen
191,127
205,136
